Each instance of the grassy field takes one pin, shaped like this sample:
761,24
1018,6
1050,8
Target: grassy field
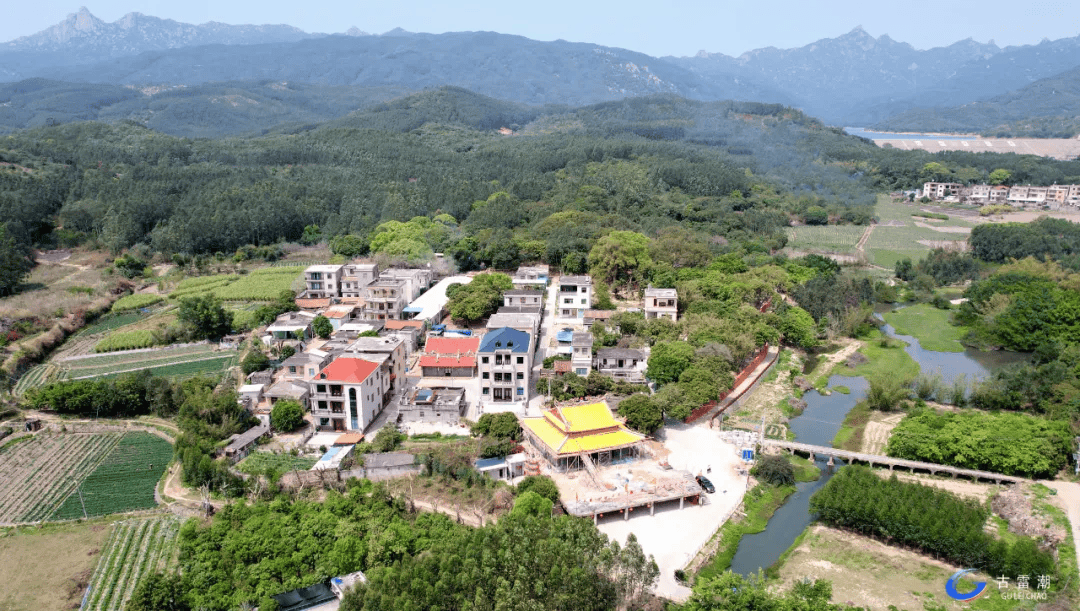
896,236
867,573
850,435
929,325
885,360
48,567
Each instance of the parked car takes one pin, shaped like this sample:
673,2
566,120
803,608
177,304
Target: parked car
705,484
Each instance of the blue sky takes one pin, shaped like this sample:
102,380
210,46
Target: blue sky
680,27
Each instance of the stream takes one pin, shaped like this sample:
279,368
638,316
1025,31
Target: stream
819,423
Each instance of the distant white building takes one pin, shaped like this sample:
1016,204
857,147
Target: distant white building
575,296
661,303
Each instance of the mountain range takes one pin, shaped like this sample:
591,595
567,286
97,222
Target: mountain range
853,79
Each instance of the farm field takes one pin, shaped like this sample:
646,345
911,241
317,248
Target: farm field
39,477
898,234
839,239
264,284
123,481
135,548
36,476
49,566
258,462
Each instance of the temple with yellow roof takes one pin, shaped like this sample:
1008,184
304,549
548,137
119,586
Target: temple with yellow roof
568,437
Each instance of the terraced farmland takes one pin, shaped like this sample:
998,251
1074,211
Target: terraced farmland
123,481
135,548
37,476
112,364
260,285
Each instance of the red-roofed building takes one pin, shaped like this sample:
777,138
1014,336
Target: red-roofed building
349,393
450,357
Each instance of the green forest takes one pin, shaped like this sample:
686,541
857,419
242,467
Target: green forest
740,171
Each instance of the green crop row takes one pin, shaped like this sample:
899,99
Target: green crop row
109,322
265,284
124,481
125,340
136,301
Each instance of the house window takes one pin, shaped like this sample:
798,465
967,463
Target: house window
320,388
520,360
311,371
322,404
486,375
520,375
485,390
520,391
484,360
582,371
292,368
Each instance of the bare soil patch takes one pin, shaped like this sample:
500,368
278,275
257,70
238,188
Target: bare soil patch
48,568
867,573
960,487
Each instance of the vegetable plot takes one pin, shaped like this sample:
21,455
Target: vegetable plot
135,548
124,481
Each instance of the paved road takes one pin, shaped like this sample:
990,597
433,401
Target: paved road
543,350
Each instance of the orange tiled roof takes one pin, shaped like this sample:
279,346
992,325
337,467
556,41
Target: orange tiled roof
312,304
348,369
432,360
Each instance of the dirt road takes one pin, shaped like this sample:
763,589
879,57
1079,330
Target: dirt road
1068,498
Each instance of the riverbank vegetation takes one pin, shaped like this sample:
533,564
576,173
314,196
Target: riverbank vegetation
1008,443
928,324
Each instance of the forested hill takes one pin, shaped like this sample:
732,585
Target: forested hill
211,110
1047,108
735,171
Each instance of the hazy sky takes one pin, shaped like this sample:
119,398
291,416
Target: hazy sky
679,27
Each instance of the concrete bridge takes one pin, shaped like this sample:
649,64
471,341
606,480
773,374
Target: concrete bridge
873,460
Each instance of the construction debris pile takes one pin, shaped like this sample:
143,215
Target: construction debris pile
1016,508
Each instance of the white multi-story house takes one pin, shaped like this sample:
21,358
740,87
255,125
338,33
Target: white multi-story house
355,276
941,190
661,303
531,277
622,363
505,364
581,358
349,393
385,299
523,297
415,281
575,296
322,281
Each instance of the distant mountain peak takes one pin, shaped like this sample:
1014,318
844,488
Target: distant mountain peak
355,31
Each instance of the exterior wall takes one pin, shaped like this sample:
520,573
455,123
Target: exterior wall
504,377
323,281
573,300
384,300
524,300
328,397
455,372
630,369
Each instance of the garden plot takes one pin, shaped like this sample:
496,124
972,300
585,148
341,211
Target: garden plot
37,476
136,548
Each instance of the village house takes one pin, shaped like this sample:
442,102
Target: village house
322,281
575,296
576,437
531,277
941,190
513,317
435,405
349,393
661,303
342,314
581,358
296,390
502,468
592,316
391,347
450,357
242,444
414,281
304,365
385,299
355,276
505,366
523,297
626,364
410,330
291,325
1027,196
